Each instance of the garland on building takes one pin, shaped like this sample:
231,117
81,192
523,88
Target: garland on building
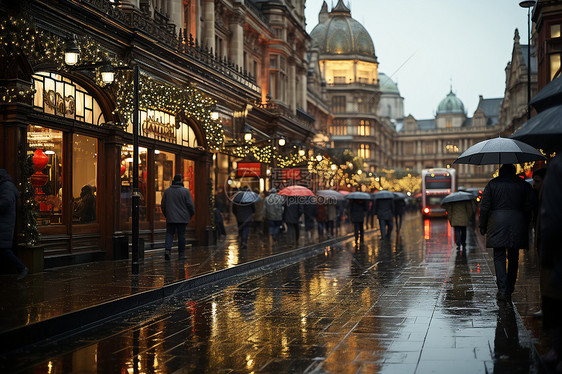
30,231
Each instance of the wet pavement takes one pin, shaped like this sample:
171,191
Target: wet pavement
409,305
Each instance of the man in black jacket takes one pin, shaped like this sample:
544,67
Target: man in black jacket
177,206
505,211
8,197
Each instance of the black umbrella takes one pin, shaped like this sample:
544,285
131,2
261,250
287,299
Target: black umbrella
383,195
245,197
357,195
400,195
543,131
456,197
499,151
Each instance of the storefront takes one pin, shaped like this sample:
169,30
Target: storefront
83,170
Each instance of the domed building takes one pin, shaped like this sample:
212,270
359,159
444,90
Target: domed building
391,103
450,112
348,67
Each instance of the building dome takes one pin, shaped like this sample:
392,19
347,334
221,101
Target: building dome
451,105
339,34
387,85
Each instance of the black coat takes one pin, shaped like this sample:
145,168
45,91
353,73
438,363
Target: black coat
292,212
384,208
177,204
505,211
244,212
8,197
357,209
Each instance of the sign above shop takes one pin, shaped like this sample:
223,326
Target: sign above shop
249,169
159,129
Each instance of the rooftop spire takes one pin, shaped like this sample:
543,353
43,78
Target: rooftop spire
341,8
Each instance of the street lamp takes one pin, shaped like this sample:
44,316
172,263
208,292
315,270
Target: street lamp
528,4
71,57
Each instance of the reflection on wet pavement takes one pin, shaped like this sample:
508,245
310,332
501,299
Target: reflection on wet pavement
410,305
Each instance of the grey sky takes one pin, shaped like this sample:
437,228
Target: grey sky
468,42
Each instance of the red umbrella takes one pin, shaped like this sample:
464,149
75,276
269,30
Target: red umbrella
296,191
343,192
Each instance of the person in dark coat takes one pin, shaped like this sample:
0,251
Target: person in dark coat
385,213
459,214
8,197
87,205
274,213
244,213
291,216
357,209
505,211
551,259
321,217
310,212
399,210
177,206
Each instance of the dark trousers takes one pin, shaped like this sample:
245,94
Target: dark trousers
506,279
321,226
330,227
244,232
8,256
398,219
294,232
460,235
171,229
386,227
359,231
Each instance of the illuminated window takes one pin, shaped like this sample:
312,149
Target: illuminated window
339,127
164,171
364,128
84,178
451,148
62,97
554,66
47,181
364,151
449,123
555,31
127,184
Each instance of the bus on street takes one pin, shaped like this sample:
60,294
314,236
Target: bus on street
436,184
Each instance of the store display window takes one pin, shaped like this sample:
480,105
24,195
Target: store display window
127,184
84,178
164,170
46,147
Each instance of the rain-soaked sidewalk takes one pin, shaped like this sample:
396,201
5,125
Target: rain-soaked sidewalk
62,299
410,305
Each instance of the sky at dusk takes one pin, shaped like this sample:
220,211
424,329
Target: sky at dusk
425,45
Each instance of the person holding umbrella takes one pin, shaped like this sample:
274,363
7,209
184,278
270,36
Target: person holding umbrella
459,212
274,213
357,208
384,208
505,211
244,208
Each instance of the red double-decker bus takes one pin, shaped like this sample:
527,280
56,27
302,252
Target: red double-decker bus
436,184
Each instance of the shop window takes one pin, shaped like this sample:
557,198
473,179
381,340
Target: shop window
84,178
60,96
187,135
164,170
46,146
188,173
127,184
554,66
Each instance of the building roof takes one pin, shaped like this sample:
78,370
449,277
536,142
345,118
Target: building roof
338,33
451,105
490,107
426,124
387,85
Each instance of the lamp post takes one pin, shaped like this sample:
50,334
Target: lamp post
528,4
107,70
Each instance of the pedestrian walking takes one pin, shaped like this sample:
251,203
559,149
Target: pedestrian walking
399,210
259,215
551,260
459,214
321,217
357,209
177,206
331,217
310,212
371,214
384,209
244,211
291,216
505,211
8,196
274,213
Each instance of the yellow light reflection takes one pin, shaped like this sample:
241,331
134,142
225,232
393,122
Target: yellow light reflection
426,229
50,366
232,259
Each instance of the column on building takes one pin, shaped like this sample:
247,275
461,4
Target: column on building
302,88
175,12
292,85
237,41
208,36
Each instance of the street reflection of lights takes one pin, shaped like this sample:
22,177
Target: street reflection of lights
284,346
232,258
155,360
426,229
249,361
50,367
